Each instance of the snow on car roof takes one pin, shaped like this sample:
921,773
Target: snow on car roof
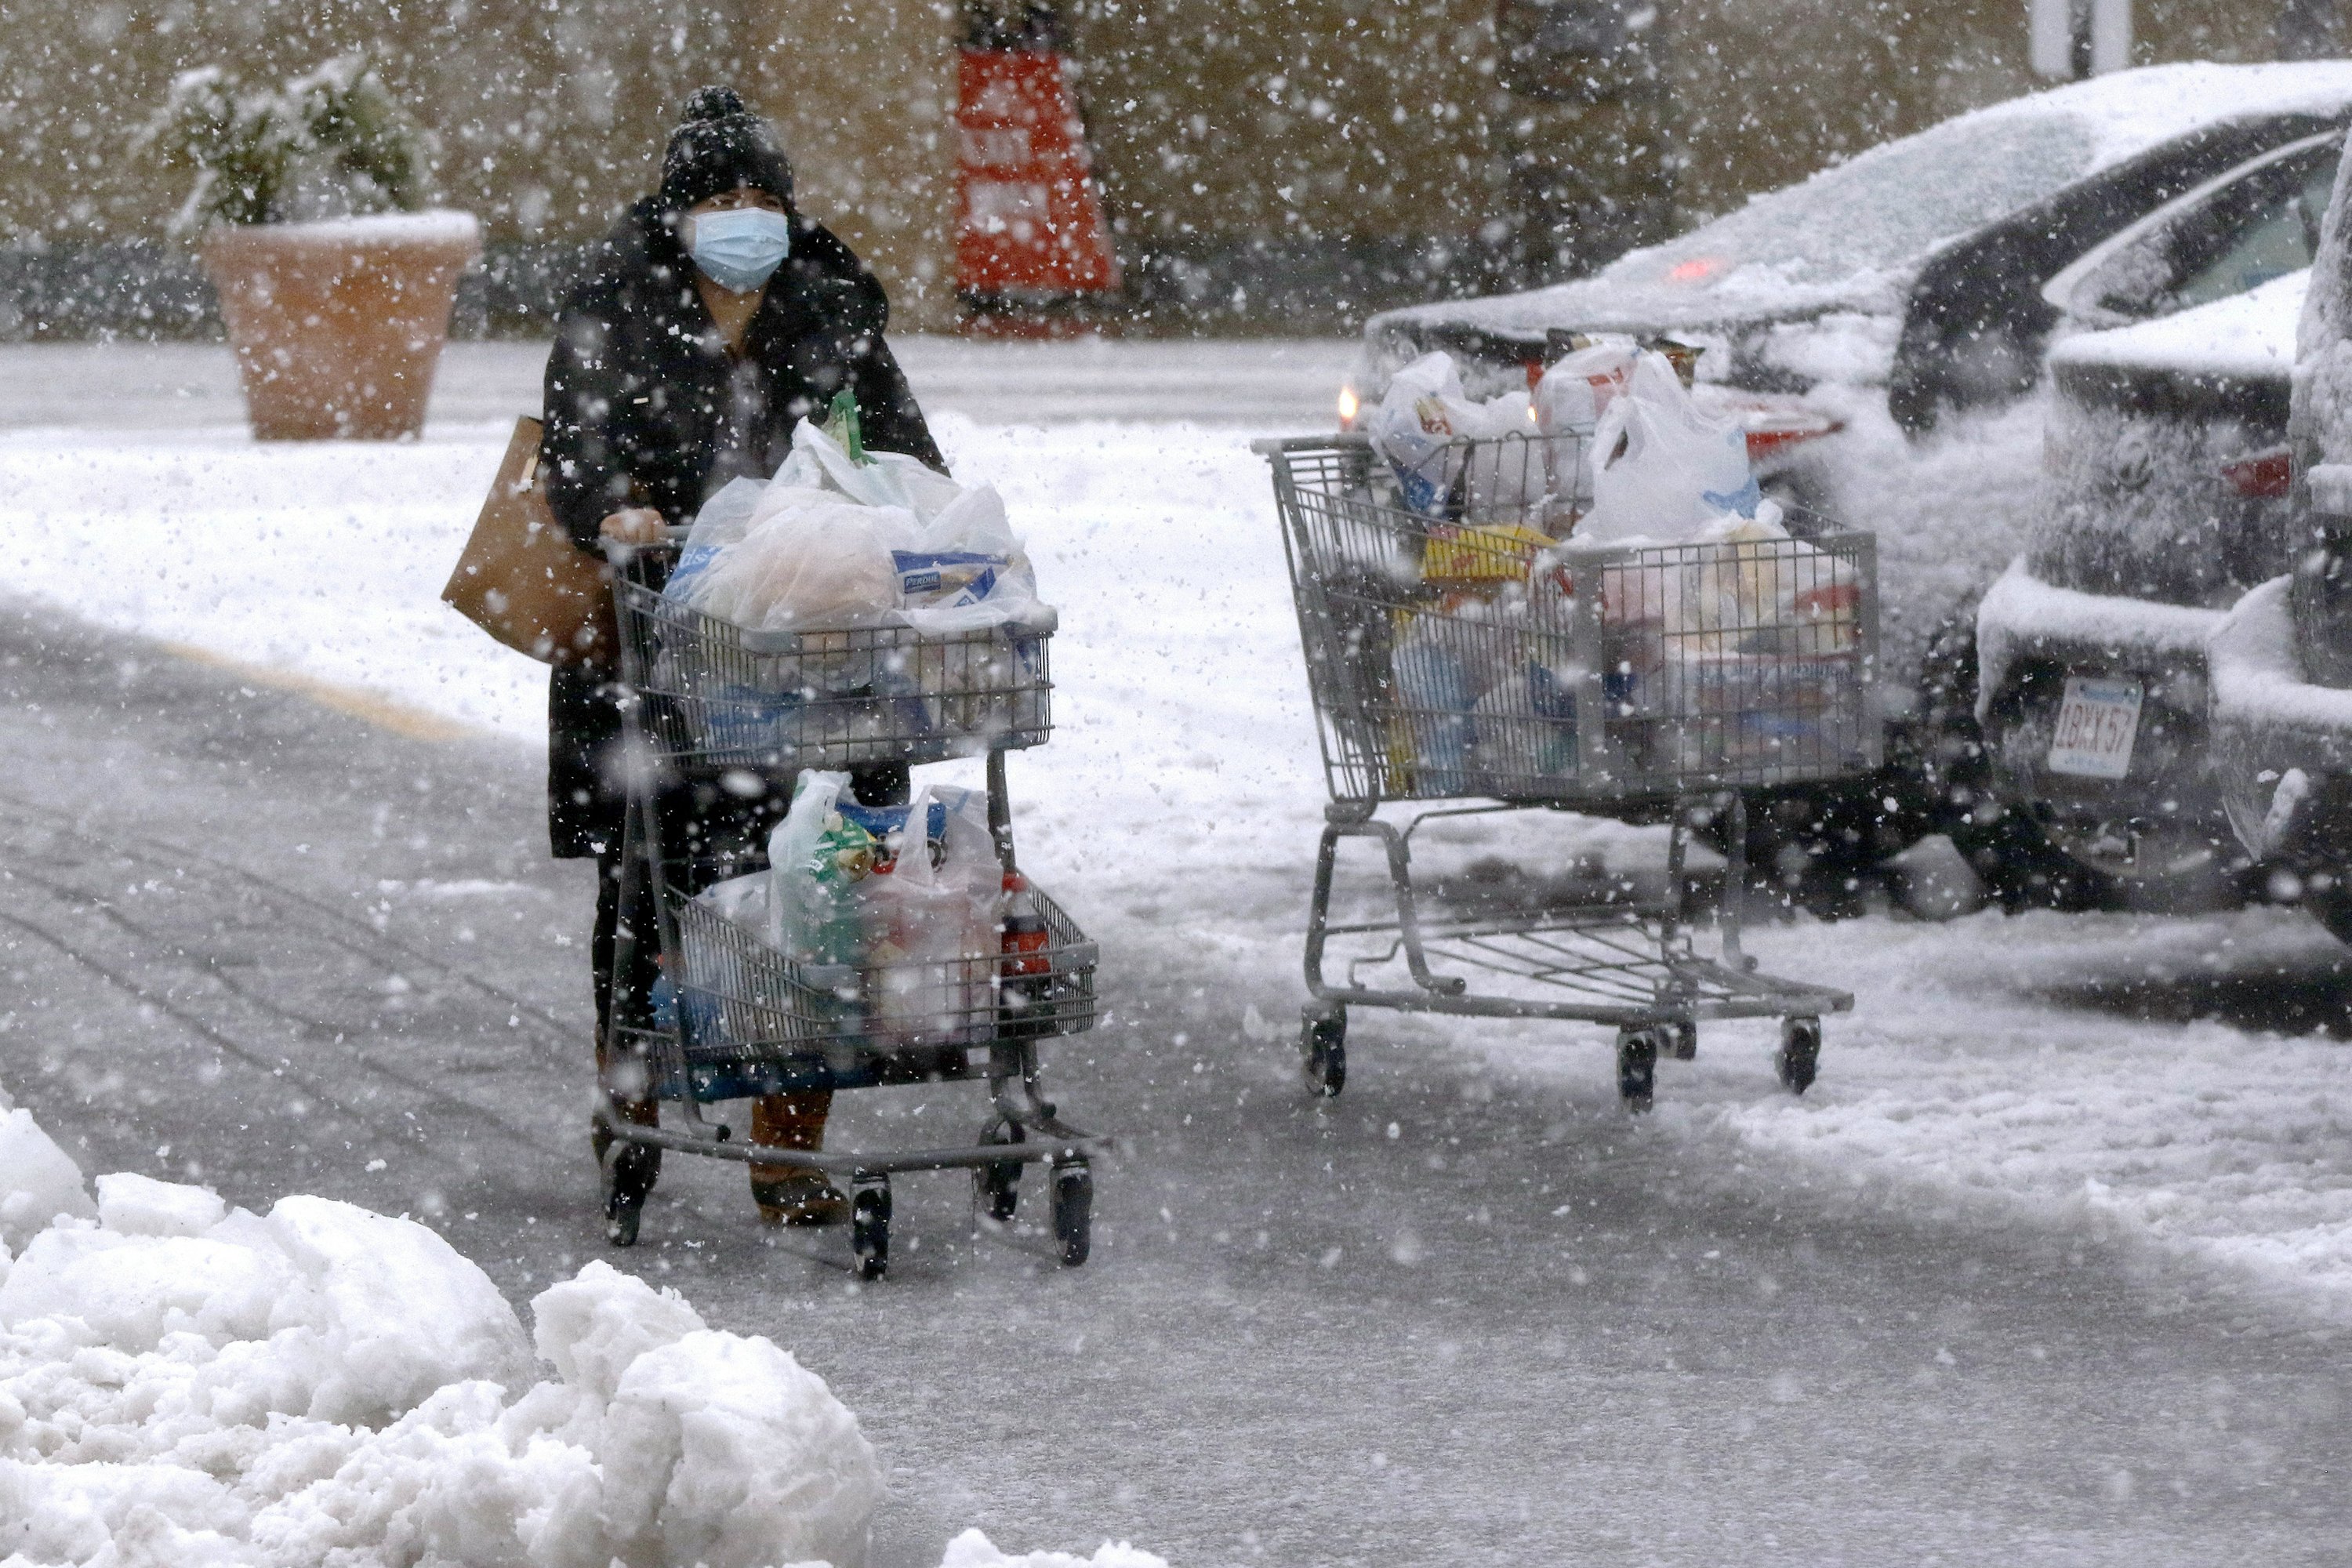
2248,336
1854,234
2134,110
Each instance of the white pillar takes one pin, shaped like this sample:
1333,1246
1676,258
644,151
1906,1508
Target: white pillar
2111,36
2050,33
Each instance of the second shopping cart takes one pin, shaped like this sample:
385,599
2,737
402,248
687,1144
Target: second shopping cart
1472,656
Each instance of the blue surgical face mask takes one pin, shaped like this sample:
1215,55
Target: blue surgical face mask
742,248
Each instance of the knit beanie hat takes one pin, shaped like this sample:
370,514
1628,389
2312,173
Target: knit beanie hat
719,144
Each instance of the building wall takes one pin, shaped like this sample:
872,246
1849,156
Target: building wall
550,117
1360,117
1238,132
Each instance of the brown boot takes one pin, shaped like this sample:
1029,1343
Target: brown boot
795,1195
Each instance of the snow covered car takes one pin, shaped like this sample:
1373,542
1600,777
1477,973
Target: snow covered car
2165,502
1898,305
2281,660
1917,268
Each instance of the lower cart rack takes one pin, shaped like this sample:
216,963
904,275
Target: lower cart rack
746,1020
1619,962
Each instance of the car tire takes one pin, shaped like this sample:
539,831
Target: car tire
1810,846
1948,768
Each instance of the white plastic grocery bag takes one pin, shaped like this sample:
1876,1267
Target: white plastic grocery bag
1503,472
1579,387
966,570
810,559
884,479
831,543
1662,469
1419,426
723,521
747,902
1414,429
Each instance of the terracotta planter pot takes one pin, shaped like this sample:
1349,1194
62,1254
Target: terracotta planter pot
338,326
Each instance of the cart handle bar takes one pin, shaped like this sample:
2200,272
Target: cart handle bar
621,551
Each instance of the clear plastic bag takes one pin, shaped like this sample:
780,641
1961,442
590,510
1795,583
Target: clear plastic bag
819,861
931,917
723,521
1421,425
1577,389
894,909
810,560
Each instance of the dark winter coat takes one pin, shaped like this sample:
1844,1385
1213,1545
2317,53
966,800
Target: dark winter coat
644,402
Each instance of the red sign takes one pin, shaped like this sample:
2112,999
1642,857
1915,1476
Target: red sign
1030,224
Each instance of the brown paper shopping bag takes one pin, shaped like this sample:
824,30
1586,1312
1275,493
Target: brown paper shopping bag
522,580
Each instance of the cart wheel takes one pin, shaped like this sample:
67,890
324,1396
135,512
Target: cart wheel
869,1228
1800,1056
1323,1050
626,1173
997,1189
1637,1067
1073,1209
1682,1040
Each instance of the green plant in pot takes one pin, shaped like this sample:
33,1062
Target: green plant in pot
306,204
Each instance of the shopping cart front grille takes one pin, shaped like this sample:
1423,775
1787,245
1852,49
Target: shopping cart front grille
1471,654
716,695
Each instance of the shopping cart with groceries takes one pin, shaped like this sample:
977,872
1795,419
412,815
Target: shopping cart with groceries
1463,646
733,714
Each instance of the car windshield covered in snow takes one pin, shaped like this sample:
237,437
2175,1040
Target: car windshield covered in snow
1879,211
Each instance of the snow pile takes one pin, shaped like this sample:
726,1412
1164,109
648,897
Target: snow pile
38,1181
182,1383
973,1550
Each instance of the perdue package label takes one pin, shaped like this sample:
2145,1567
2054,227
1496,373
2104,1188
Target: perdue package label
1720,684
945,576
1738,682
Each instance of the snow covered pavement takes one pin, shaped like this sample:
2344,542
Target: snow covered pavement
2051,1257
1465,1310
2187,1083
1182,796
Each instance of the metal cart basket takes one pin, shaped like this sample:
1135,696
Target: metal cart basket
711,707
1473,655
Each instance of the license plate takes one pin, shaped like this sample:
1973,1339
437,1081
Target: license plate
2097,722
